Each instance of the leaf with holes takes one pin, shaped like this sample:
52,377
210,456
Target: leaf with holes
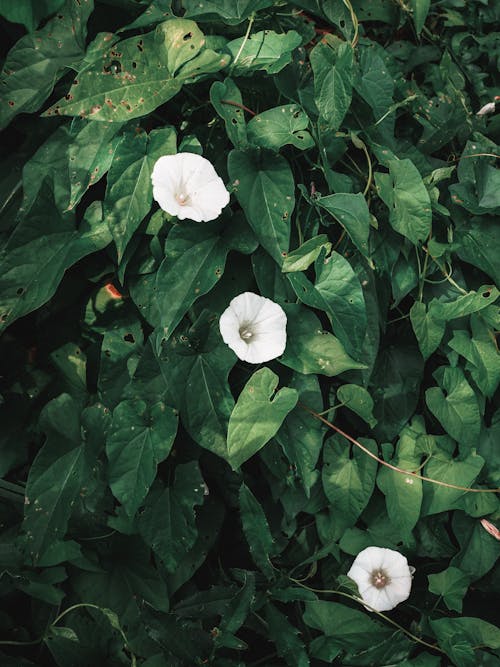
277,127
266,50
37,60
265,190
167,522
139,439
136,75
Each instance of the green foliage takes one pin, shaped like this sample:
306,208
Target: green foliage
164,503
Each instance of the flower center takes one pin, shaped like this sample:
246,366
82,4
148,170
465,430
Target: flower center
379,579
182,199
245,332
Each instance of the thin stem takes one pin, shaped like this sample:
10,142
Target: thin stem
375,611
15,488
446,275
8,642
390,465
245,39
80,605
240,106
355,24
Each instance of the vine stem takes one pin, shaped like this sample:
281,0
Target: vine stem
375,611
409,473
245,39
240,106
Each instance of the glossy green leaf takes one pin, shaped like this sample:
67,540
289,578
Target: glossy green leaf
37,60
256,529
39,251
348,477
257,416
337,291
428,327
194,262
266,50
226,10
404,493
358,400
351,211
138,74
311,349
451,585
129,192
167,523
406,196
300,435
139,439
333,72
227,101
277,127
420,10
56,477
302,258
455,406
265,190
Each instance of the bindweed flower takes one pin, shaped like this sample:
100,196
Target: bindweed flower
383,577
254,328
186,185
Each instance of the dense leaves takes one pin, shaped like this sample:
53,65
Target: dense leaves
163,503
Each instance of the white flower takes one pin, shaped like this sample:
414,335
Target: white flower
383,577
488,108
186,185
254,328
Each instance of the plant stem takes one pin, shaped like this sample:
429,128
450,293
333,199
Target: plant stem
245,39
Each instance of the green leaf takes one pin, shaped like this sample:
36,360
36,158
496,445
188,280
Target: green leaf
351,628
420,10
129,192
222,92
483,359
256,531
56,476
338,292
90,155
333,73
351,211
300,435
39,251
265,190
24,12
302,258
136,75
286,638
167,523
451,585
195,257
348,477
404,193
36,61
443,467
395,388
139,439
428,327
207,401
404,493
455,405
478,245
257,416
227,11
467,304
280,126
266,50
479,551
358,400
474,632
310,349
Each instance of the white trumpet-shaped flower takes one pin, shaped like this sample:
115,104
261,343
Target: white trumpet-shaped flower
254,328
488,108
186,185
383,577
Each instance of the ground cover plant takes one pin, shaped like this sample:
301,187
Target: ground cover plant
249,276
